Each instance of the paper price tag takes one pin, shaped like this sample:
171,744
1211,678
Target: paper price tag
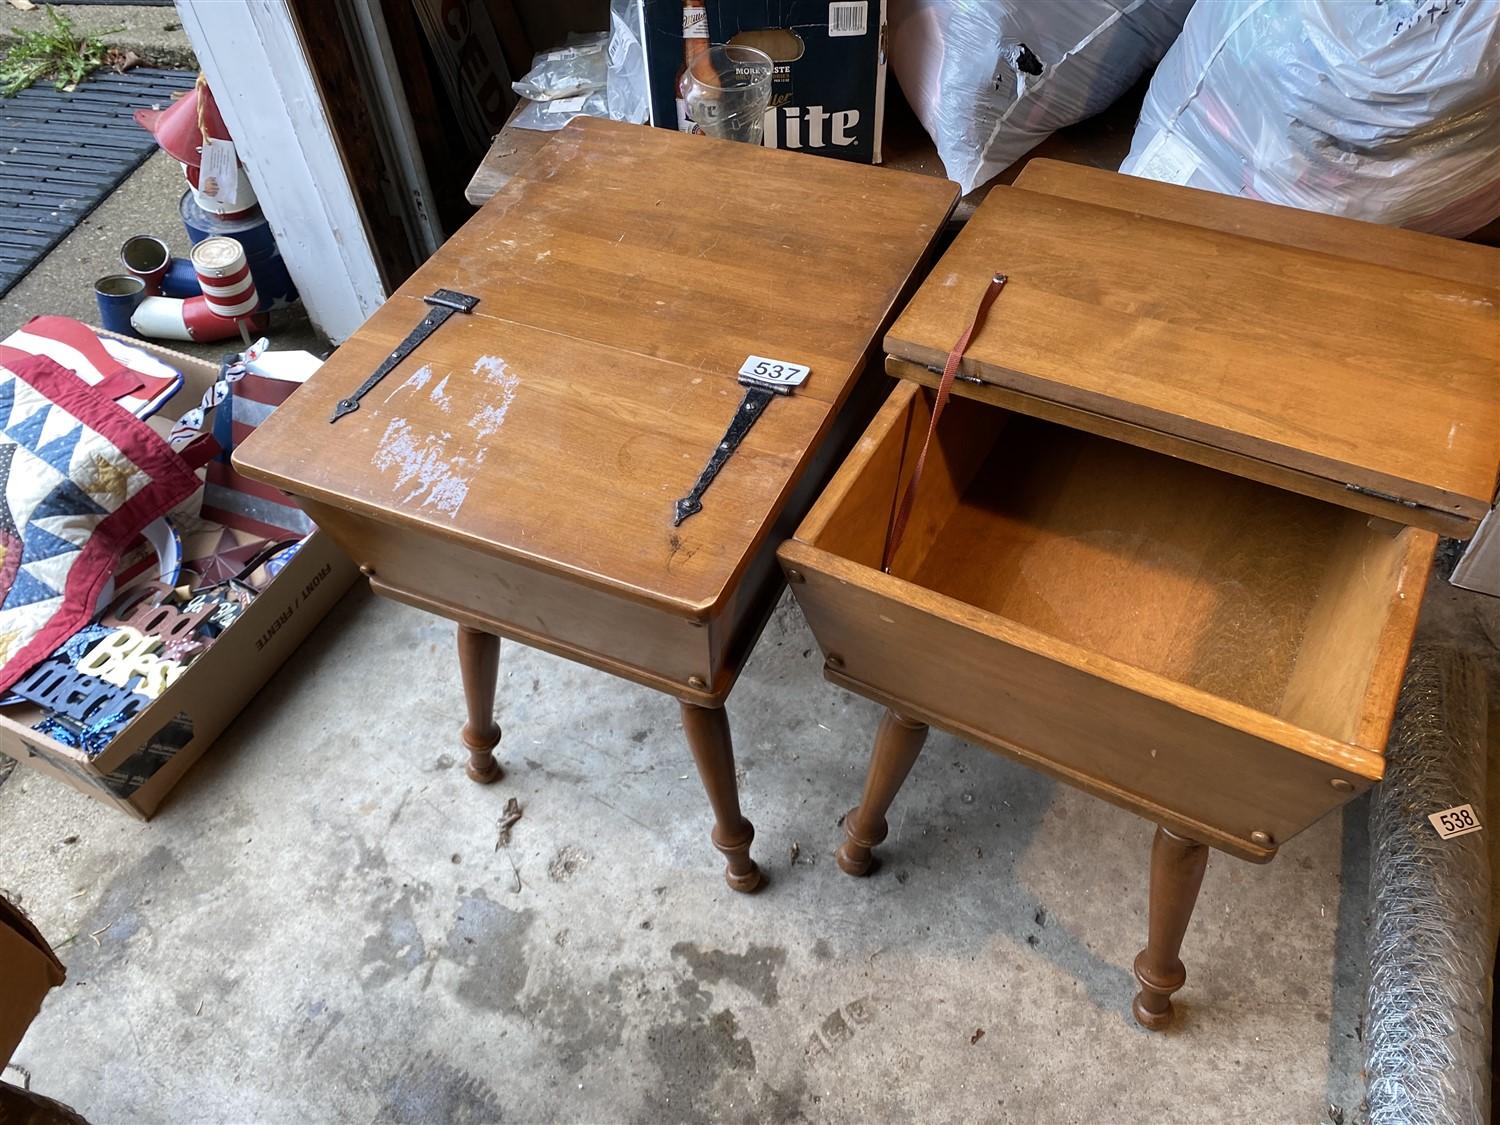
1167,159
567,105
1460,820
219,173
774,372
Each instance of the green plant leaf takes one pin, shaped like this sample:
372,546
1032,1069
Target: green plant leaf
58,52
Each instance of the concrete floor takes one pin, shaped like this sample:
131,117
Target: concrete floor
320,926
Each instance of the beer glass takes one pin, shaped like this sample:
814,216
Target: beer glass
726,91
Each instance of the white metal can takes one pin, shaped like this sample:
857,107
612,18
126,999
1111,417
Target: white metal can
224,273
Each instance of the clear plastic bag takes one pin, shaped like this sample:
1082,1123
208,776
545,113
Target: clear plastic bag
578,68
565,83
626,83
547,116
1382,111
990,79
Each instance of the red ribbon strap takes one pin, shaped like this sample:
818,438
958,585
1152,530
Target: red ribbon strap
945,386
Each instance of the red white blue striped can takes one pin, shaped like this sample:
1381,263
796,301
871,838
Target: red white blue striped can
272,281
224,273
168,318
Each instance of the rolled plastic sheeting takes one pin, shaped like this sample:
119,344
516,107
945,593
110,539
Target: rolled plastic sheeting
1427,1026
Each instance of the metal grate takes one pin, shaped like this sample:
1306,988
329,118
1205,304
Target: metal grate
61,154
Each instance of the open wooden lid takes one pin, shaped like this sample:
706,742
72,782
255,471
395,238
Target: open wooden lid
1368,385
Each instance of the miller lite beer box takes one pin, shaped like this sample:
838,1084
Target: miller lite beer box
828,92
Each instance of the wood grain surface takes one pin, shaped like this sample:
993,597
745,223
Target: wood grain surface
1357,372
623,276
1450,258
508,153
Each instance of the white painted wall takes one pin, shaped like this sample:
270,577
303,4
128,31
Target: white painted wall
250,52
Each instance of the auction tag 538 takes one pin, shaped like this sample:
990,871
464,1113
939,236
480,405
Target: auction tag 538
1457,821
774,372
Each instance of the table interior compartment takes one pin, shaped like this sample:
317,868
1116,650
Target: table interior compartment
1253,594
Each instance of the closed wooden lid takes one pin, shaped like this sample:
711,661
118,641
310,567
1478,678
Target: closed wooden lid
1363,375
623,278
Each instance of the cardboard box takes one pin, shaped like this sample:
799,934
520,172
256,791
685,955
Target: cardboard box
155,749
31,970
828,95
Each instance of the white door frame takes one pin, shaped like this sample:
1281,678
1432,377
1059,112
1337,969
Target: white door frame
253,58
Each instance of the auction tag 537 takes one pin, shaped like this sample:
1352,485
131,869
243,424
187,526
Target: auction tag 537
1457,821
774,372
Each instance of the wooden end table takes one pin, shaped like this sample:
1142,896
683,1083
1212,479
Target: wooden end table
1173,536
518,472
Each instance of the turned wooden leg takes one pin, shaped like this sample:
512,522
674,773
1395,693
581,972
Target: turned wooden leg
707,730
479,666
897,744
1177,865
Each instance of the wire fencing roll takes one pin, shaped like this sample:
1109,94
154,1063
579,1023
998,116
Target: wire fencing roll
1427,1027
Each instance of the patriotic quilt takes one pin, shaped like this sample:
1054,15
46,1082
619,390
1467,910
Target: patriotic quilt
136,380
80,477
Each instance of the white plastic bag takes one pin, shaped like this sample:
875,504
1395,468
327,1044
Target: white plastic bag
990,79
1386,110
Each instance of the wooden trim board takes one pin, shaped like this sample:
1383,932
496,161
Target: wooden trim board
257,67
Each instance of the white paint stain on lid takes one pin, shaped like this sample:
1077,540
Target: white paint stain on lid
416,380
448,495
423,468
434,470
503,383
1463,299
440,397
